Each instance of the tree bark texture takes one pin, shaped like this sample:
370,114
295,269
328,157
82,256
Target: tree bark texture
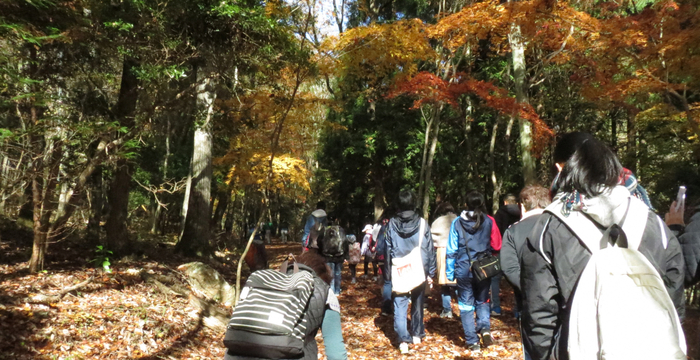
517,46
196,234
118,195
429,161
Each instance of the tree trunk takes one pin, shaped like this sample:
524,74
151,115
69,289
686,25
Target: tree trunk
96,204
429,161
196,234
220,209
118,195
631,144
426,143
517,46
492,166
378,196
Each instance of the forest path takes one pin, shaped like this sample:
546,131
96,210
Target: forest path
368,335
118,316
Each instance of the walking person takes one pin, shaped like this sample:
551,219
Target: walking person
471,236
410,259
334,246
507,215
592,217
322,313
440,230
317,218
533,200
387,298
354,256
368,250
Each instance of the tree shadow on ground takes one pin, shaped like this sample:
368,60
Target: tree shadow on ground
182,342
449,328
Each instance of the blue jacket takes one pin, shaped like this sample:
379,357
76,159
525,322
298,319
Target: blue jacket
318,215
401,237
462,233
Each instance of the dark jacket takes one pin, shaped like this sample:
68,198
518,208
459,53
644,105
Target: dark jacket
548,283
319,316
690,243
401,237
514,241
463,235
506,216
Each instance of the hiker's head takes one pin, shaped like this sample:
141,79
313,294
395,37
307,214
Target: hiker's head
591,168
534,197
510,199
321,205
443,209
407,200
317,263
475,204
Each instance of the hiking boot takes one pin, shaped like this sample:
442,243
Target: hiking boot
416,340
375,278
474,347
353,281
495,313
403,348
446,314
486,338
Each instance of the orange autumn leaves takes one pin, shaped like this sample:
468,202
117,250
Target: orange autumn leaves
431,89
613,56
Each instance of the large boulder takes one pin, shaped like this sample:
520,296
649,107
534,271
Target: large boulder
208,283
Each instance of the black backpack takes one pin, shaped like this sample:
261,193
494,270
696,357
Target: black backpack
333,242
269,320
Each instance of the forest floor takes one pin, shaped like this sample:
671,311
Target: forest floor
119,316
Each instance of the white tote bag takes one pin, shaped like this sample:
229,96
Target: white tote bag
407,272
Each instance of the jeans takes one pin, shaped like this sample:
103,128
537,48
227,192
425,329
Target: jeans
416,296
387,304
473,295
495,293
336,269
446,294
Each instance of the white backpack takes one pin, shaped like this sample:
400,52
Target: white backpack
407,272
621,309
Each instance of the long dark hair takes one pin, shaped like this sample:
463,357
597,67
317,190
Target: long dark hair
475,203
591,169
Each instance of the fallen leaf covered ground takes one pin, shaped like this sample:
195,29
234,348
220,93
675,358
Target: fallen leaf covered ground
118,316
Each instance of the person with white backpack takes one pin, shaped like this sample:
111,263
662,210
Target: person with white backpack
410,261
602,275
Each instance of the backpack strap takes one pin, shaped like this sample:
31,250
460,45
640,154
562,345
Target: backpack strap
285,265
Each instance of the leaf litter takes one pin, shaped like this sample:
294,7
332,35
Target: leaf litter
118,316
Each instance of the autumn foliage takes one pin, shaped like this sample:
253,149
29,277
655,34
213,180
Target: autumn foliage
428,88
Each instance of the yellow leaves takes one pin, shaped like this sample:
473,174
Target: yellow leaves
376,52
253,169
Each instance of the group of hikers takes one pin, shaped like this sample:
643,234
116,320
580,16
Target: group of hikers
596,273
